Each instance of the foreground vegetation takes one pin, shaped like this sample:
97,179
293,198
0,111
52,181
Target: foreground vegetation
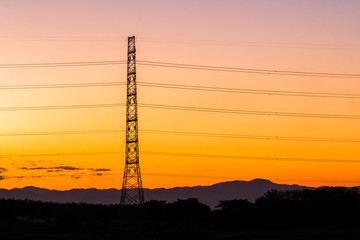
328,213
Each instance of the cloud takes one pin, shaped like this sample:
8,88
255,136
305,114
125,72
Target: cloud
99,169
2,170
53,169
32,168
2,177
62,168
67,168
75,176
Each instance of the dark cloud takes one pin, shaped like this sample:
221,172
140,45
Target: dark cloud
8,177
62,168
99,169
33,168
2,170
57,170
52,169
67,168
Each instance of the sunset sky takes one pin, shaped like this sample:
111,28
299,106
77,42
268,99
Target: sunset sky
67,148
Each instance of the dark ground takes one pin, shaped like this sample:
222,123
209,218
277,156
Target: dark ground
329,213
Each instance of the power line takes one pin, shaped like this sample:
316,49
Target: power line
238,111
188,87
193,134
176,176
249,91
61,38
182,41
187,176
235,178
290,159
255,44
196,155
252,44
59,107
60,64
185,108
186,66
68,85
60,154
260,137
248,70
15,134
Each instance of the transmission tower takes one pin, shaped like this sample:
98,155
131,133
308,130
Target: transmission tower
132,191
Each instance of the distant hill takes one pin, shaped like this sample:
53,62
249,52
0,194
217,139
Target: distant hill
209,195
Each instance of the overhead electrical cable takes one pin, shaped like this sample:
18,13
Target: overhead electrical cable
59,154
291,159
59,107
261,137
248,70
182,42
187,87
193,134
185,108
196,155
171,175
252,44
50,133
187,66
60,64
250,112
249,91
62,85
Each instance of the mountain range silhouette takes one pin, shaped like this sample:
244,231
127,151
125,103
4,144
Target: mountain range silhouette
210,195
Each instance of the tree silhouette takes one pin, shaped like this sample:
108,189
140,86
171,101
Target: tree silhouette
324,213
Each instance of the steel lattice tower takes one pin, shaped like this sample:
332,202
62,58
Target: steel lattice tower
132,191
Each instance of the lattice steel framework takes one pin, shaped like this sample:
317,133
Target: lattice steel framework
132,191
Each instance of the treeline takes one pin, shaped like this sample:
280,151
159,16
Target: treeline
327,213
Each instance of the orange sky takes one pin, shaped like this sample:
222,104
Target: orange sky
321,36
